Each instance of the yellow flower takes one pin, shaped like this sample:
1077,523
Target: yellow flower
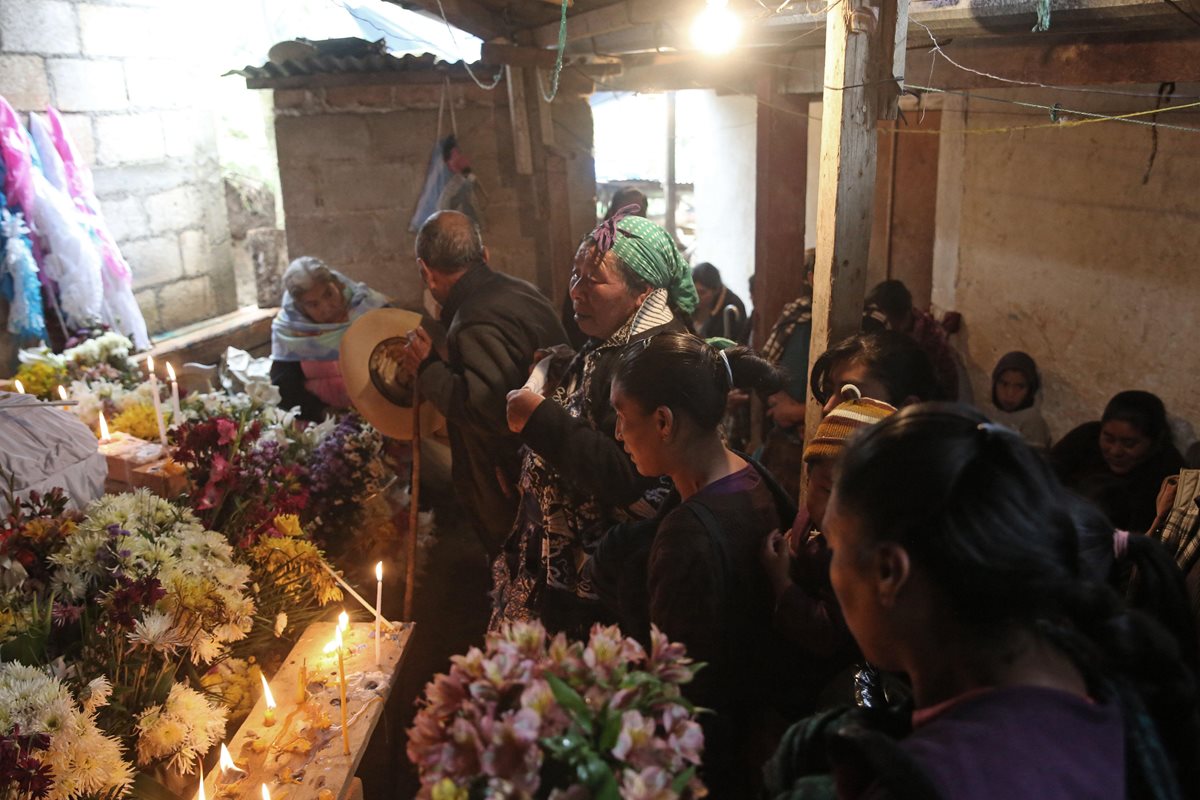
41,379
297,563
289,525
138,420
445,789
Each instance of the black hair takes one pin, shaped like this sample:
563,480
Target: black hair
985,517
450,242
893,359
690,377
891,297
707,275
1017,361
627,196
1142,410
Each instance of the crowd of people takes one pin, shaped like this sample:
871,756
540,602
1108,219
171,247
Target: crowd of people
960,609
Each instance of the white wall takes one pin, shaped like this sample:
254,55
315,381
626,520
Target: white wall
1048,241
723,131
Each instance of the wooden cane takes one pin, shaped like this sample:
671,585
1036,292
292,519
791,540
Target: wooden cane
414,508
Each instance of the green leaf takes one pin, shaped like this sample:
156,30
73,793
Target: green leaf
607,789
145,787
567,697
610,732
681,780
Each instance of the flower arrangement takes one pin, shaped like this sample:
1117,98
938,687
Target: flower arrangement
97,355
180,730
50,744
41,378
535,717
139,421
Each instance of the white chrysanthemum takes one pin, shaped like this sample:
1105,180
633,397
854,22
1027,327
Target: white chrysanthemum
281,621
55,715
96,694
206,649
157,631
180,730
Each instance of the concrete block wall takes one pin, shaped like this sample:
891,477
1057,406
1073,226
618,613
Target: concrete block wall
353,159
131,84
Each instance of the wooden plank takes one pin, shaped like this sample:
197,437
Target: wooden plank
519,116
511,55
847,179
468,15
267,755
781,182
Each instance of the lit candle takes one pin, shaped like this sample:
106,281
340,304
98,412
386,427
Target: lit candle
225,760
269,716
158,415
343,621
104,437
266,794
200,796
176,414
62,393
378,612
336,644
20,386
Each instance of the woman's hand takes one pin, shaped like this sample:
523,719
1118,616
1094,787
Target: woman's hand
1166,496
521,405
785,411
777,560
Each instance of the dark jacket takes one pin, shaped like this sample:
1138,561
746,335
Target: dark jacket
1127,500
739,324
495,324
288,377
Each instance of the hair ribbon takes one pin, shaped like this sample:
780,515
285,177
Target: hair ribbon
728,368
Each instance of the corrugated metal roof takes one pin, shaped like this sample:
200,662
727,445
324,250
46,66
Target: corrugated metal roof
367,57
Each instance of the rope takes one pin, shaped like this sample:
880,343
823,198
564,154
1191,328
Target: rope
558,59
453,38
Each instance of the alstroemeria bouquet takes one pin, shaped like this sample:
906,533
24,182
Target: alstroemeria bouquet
539,717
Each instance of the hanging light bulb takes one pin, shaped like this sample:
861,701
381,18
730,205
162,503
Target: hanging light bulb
716,29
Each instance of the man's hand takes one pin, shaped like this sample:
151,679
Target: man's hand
776,560
521,405
417,349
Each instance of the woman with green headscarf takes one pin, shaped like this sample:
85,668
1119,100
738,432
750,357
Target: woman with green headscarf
628,283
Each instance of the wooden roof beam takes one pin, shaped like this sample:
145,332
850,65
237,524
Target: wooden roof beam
468,15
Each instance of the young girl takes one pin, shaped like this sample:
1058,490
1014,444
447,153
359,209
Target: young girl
1015,384
704,584
957,561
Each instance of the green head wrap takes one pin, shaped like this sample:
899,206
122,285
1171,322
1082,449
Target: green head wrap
648,250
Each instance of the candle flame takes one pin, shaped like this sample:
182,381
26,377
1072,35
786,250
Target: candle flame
337,638
331,646
266,794
62,393
20,386
267,692
226,760
103,428
343,621
201,795
170,371
379,571
150,363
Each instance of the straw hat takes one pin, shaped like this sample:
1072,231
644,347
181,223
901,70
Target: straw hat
379,388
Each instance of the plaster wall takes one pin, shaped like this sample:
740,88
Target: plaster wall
723,166
1055,241
134,92
352,162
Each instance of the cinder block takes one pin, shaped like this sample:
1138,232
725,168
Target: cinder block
352,97
141,179
129,138
321,137
153,261
193,245
23,82
182,133
87,85
79,127
126,218
39,26
147,301
186,301
159,83
174,210
123,31
366,187
301,190
293,98
393,139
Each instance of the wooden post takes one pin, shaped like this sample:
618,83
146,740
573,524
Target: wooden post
781,184
669,181
859,42
519,114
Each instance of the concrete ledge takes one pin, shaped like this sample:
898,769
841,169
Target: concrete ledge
204,342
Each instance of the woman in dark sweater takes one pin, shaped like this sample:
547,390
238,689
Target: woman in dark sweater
958,561
1119,463
704,585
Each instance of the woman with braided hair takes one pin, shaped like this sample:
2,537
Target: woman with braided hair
959,560
694,570
628,283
